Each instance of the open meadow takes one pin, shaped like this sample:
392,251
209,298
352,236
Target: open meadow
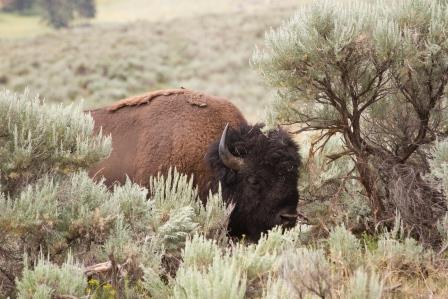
128,50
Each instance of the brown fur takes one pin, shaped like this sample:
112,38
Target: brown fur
160,129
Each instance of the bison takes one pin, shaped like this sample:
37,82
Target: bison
207,137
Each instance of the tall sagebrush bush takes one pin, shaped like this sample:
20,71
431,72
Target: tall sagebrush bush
41,196
374,73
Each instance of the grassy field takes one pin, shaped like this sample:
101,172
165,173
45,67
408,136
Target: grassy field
101,63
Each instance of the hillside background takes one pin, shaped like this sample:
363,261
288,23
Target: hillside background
139,45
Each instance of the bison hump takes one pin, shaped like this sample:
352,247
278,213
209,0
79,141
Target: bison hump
193,98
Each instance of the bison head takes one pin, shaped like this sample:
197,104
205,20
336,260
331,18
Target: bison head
258,172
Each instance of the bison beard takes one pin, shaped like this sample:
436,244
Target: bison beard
258,171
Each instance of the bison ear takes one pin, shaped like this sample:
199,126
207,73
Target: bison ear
227,158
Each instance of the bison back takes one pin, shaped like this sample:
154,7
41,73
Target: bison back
162,129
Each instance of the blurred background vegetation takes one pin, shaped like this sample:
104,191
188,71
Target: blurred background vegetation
133,46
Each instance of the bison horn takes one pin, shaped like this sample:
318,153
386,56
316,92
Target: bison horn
226,156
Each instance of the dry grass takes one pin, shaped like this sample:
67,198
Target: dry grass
104,63
13,26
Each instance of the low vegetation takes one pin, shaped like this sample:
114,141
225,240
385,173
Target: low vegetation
370,80
105,63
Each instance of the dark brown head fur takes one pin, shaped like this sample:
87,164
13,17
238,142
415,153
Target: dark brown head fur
265,188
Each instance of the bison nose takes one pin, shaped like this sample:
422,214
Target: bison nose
288,219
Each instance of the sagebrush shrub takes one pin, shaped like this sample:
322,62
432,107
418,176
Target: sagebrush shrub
47,280
374,75
39,140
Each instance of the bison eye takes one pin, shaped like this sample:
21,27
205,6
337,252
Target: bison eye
253,181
